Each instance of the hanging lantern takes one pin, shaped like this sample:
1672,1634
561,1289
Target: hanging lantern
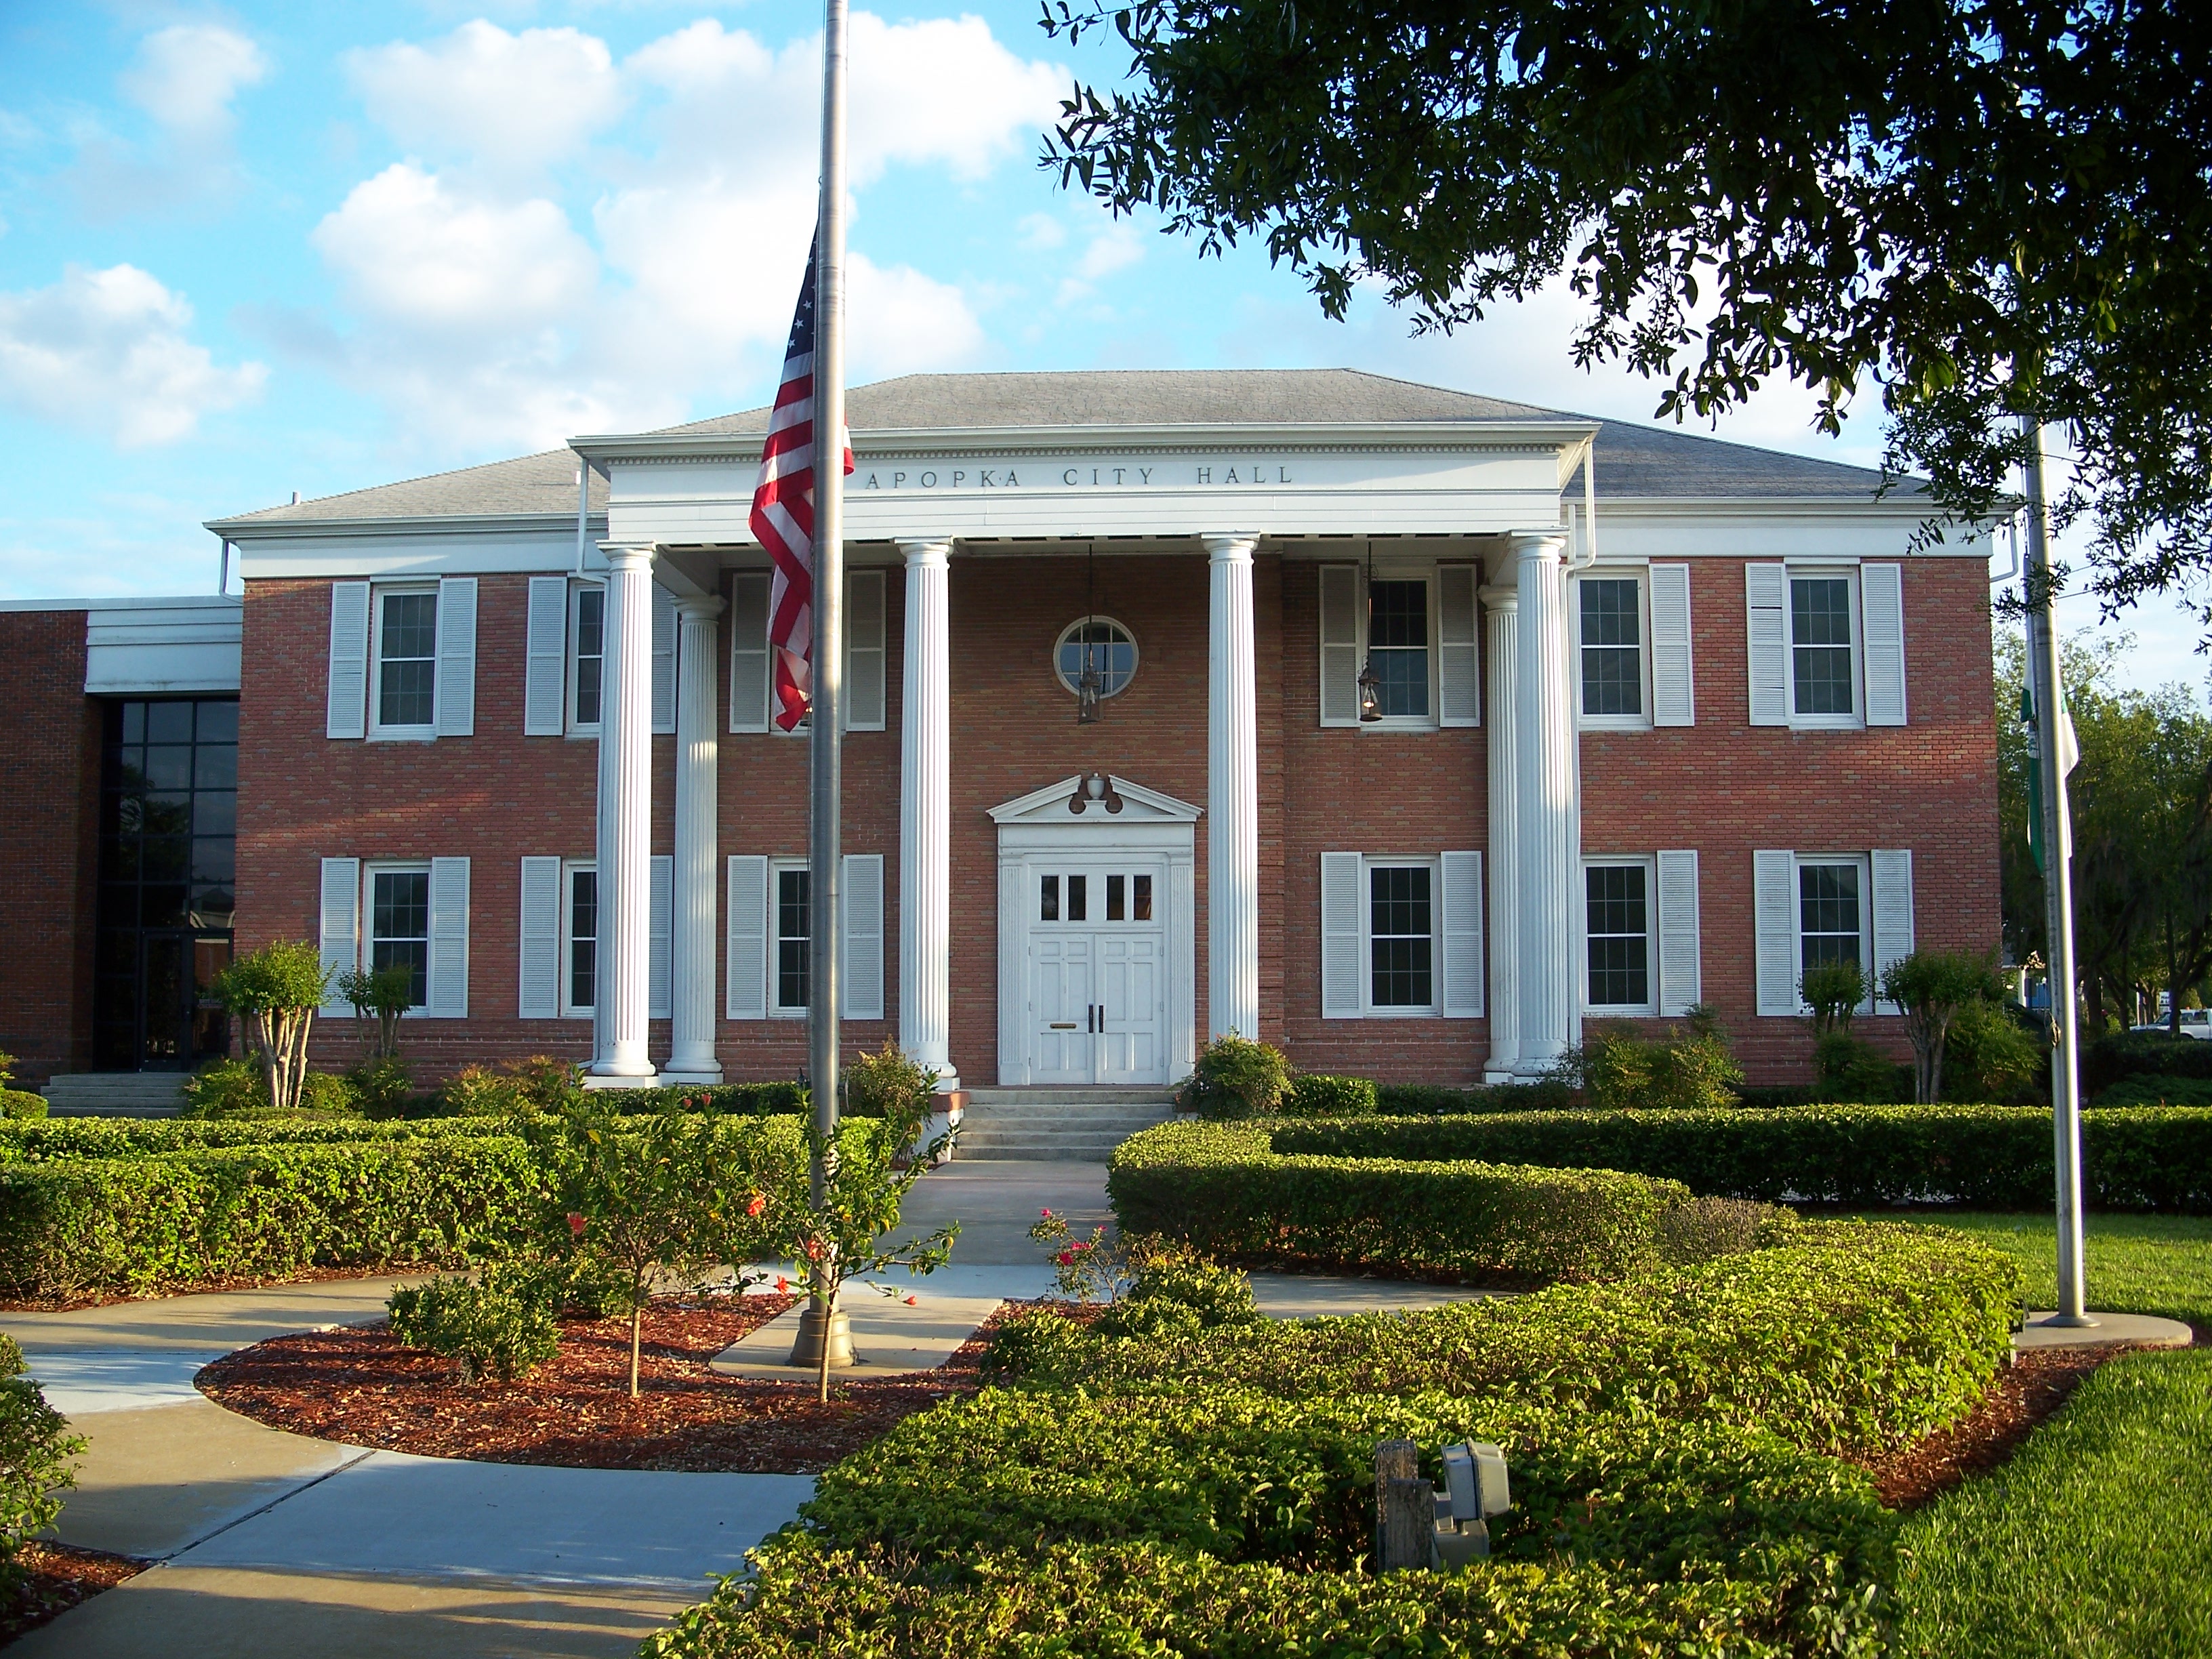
1087,684
1086,691
1370,683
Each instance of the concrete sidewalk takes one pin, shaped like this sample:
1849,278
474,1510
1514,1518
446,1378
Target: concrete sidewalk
272,1545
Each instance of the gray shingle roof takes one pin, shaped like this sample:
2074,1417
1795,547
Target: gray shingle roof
1633,461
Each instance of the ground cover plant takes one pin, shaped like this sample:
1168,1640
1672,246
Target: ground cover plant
2147,1264
2094,1540
37,1458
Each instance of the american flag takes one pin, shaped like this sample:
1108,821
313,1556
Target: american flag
783,515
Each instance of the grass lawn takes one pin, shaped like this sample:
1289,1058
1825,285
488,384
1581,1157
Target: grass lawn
2149,1264
2095,1539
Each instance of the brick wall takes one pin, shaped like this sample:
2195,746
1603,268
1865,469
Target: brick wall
49,845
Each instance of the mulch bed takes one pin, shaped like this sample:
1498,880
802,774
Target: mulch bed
58,1576
361,1385
2040,1381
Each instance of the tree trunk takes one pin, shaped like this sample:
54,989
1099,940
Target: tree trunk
259,1034
2172,981
828,1324
636,1321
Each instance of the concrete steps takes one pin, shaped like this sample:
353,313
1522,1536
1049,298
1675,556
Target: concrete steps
115,1094
1080,1126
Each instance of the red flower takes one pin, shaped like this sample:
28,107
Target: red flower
782,1285
909,1302
575,1225
756,1204
1065,1257
1047,1215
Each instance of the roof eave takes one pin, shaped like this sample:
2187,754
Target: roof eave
256,529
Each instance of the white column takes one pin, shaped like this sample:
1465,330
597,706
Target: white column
1549,803
691,1034
1501,653
926,815
1232,795
625,816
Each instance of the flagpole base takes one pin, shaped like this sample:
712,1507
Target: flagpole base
806,1353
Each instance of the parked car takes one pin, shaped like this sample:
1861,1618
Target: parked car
2194,1023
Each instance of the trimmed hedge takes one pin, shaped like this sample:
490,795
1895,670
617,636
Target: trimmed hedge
1436,1100
1313,1094
2121,1054
139,1223
1997,1157
53,1138
1222,1186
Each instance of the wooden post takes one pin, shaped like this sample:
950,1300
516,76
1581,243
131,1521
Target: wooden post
1405,1508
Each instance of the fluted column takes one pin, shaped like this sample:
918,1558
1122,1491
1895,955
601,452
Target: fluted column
1501,613
926,814
625,851
1232,795
691,1005
1549,803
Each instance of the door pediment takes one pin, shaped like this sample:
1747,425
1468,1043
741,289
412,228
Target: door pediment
1047,808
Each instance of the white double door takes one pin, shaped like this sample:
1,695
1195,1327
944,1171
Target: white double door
1097,971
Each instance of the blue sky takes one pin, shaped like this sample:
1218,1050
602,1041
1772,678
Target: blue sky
249,249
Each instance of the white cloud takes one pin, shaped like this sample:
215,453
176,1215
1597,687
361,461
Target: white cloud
1041,231
185,76
107,350
903,322
411,251
508,102
1116,247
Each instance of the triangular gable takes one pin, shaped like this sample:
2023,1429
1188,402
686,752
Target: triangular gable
1048,805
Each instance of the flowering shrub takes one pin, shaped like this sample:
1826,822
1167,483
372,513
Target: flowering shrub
1098,1268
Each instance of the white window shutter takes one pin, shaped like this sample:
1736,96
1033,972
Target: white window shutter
1774,915
539,974
749,652
1680,971
545,675
1341,935
664,659
1767,604
745,994
1674,693
341,926
860,896
447,997
1459,655
660,940
454,690
1461,952
1881,609
1339,645
347,716
863,651
1893,913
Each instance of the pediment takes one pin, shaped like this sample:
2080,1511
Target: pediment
1048,807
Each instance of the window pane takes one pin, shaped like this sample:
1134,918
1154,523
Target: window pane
408,689
218,722
1618,932
1112,653
591,646
214,766
1048,902
134,722
583,933
791,946
1141,909
1399,945
1828,912
1078,898
1116,899
1820,641
168,722
168,766
215,811
587,690
406,649
1398,645
411,625
1613,670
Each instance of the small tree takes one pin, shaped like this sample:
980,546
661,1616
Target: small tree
1834,992
1929,987
385,993
842,1240
640,1199
1236,1077
275,991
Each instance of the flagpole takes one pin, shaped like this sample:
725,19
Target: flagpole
2057,888
824,736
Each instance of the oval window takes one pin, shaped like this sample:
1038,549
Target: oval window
1107,647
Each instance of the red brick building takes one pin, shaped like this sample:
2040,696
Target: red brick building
1427,727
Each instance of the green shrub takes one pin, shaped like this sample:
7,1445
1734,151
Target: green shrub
37,1453
1312,1094
237,1089
2120,1055
1986,1158
1177,1292
381,1086
46,1140
735,1099
1996,1051
1849,1068
1226,1190
1834,992
1705,1229
21,1104
502,1326
2159,1092
1929,988
1691,1068
1839,1335
518,1088
1436,1100
889,1084
1235,1077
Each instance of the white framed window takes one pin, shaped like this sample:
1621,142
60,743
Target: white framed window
403,700
789,920
1416,626
1111,650
1618,932
398,931
588,654
1612,634
1834,915
580,939
866,653
1402,937
1399,913
1812,908
1822,618
1400,630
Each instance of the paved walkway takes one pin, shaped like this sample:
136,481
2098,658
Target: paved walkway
271,1545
